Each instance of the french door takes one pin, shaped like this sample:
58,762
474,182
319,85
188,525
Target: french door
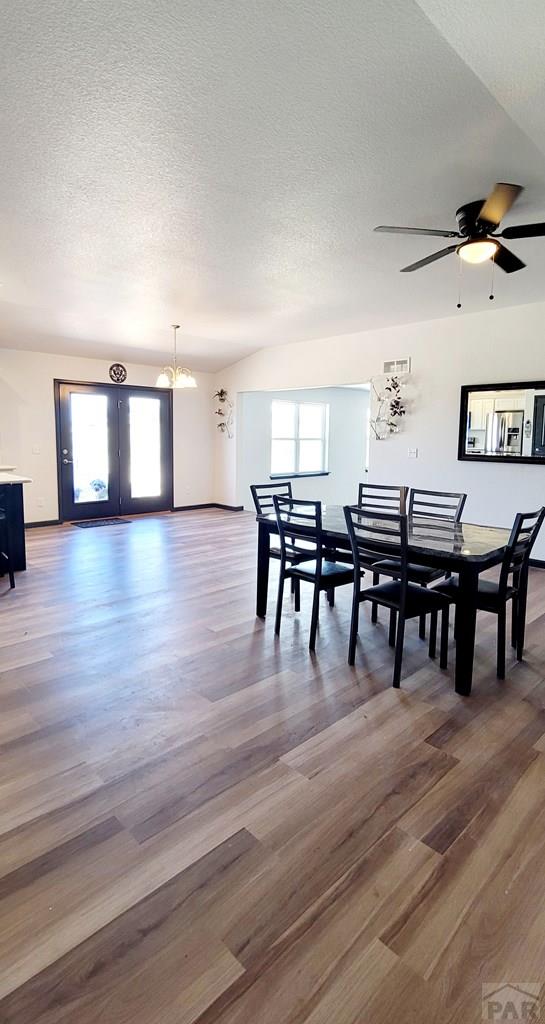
114,450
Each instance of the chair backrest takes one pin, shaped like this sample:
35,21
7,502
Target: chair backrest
521,541
263,494
381,498
377,533
299,520
447,505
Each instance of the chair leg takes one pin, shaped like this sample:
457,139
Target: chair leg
279,602
354,622
443,657
433,634
374,606
500,670
314,617
514,618
422,624
399,652
392,630
293,585
296,593
521,619
331,597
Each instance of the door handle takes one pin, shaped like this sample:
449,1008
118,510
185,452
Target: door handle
67,462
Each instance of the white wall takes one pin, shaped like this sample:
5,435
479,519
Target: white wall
27,422
499,345
347,437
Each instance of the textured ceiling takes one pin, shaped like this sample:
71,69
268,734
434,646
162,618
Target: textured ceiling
222,163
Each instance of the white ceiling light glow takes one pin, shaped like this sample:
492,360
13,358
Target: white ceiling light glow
477,252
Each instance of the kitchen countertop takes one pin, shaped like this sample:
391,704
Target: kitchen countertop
13,478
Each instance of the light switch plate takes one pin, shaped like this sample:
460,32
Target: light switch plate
412,453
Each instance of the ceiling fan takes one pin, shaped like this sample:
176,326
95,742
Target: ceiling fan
477,226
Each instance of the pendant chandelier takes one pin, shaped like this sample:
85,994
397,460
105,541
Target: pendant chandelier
175,376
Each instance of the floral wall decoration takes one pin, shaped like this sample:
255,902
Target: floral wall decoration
390,405
224,412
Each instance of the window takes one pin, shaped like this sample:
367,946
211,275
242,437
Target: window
299,437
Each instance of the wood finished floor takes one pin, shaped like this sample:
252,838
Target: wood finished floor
202,824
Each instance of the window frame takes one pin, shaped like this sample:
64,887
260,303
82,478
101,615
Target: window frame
323,438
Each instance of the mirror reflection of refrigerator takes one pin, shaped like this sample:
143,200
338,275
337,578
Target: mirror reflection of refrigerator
504,432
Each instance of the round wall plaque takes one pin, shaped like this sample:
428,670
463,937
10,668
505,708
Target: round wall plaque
118,373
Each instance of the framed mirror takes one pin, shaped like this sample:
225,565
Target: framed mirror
502,422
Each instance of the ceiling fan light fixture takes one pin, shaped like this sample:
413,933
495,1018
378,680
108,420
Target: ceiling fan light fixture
477,251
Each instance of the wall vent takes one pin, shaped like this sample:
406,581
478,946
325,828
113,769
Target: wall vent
394,366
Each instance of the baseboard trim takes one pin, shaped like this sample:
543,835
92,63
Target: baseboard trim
537,563
209,504
176,508
192,508
44,522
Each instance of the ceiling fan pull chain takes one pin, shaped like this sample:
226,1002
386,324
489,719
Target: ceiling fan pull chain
459,303
491,296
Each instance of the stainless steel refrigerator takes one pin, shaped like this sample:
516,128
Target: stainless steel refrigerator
504,432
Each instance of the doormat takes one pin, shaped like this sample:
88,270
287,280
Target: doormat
87,523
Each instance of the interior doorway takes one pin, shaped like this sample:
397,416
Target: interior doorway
114,450
316,437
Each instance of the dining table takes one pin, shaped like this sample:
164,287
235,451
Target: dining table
467,549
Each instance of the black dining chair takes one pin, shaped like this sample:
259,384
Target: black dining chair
404,599
300,521
441,506
6,557
262,495
380,498
494,596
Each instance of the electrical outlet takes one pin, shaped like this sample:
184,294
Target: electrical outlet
412,453
40,502
36,450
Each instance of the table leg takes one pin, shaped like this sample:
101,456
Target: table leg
263,556
466,619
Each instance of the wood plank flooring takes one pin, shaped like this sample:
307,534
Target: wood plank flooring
201,823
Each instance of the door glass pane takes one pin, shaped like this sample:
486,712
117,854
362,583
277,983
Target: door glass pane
283,457
283,419
89,419
145,445
311,418
310,456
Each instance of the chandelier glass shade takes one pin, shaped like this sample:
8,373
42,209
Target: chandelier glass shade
175,376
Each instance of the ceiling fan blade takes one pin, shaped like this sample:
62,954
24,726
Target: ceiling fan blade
429,259
524,231
436,232
507,261
499,202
